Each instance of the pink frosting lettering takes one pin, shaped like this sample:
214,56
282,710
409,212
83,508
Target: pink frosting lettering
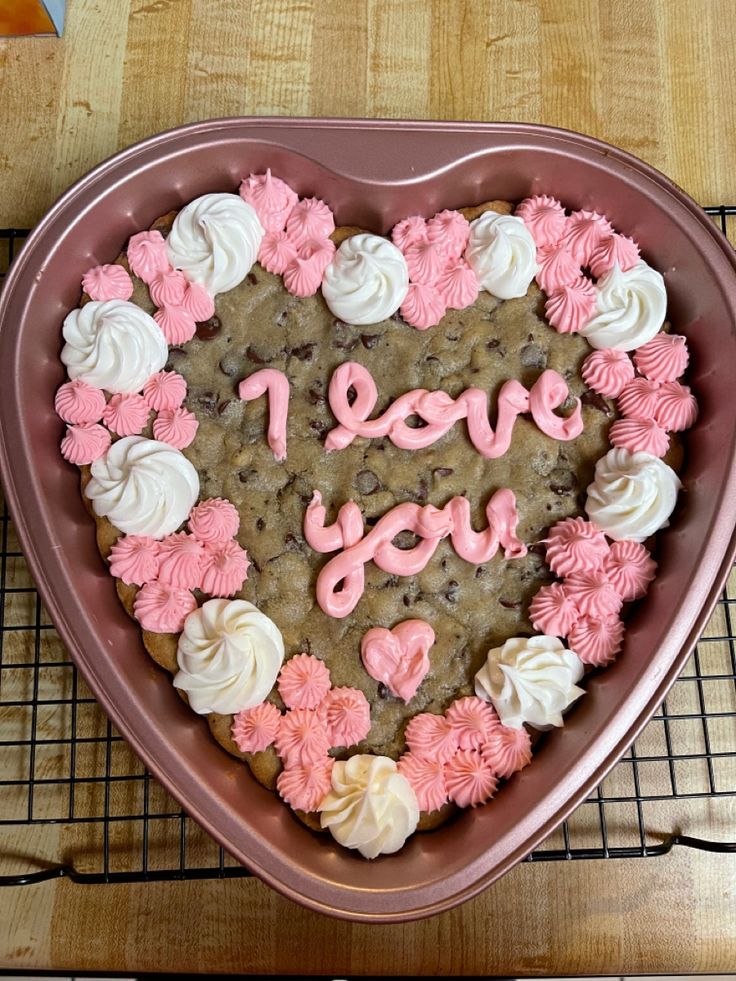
277,385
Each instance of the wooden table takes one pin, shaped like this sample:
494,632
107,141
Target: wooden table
652,77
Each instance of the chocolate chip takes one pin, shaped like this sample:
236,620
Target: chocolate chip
422,490
230,365
372,520
443,471
222,407
532,356
175,354
382,690
314,396
480,571
254,356
292,543
367,482
495,345
260,524
596,401
415,422
453,337
431,359
305,352
348,344
252,279
207,329
510,604
453,591
319,427
406,539
282,317
406,600
369,341
245,475
206,402
351,395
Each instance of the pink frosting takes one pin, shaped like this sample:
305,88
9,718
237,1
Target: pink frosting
162,608
597,640
165,390
426,261
544,216
168,288
180,561
109,282
472,720
78,402
553,611
574,545
639,399
583,232
85,443
305,787
309,218
271,198
255,729
126,414
630,568
508,750
347,570
400,657
409,232
571,307
177,427
303,275
276,252
431,737
458,285
147,255
304,681
614,250
276,384
177,325
134,559
470,779
639,435
301,737
557,268
426,778
198,303
607,371
214,520
224,568
593,593
664,358
451,231
346,714
677,408
440,411
424,306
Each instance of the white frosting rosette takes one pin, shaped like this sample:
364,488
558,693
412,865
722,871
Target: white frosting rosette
371,806
143,487
229,655
631,307
113,345
502,254
215,241
530,679
367,280
632,495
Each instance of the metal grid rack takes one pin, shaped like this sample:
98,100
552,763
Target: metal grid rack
76,801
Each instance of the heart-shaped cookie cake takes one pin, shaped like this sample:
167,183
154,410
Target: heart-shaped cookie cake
379,504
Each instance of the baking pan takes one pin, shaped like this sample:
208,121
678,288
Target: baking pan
372,173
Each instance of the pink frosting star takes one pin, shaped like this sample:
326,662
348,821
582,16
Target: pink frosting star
346,714
427,780
85,443
255,729
107,282
305,787
472,720
180,561
470,779
224,568
553,611
304,681
134,559
508,750
431,737
573,545
302,737
214,520
177,427
77,402
161,608
165,390
126,414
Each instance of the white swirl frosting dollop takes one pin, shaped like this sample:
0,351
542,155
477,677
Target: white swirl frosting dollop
215,241
113,345
143,487
367,280
630,308
229,655
502,254
371,806
632,495
530,679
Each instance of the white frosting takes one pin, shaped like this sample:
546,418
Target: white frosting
143,487
215,241
371,806
502,254
113,345
631,308
632,495
367,280
530,679
229,655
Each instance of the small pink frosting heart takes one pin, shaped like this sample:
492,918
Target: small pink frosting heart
400,657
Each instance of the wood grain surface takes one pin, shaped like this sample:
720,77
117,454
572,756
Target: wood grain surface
655,78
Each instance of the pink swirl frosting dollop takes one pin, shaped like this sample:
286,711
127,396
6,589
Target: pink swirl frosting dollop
426,778
431,737
309,218
409,232
301,737
77,402
168,288
165,390
614,250
126,414
630,568
508,750
255,729
134,559
84,443
426,261
607,371
552,611
640,398
177,427
583,233
107,282
664,358
470,779
451,231
593,593
423,306
571,307
458,285
147,256
214,520
400,657
557,268
276,252
303,682
305,787
597,640
473,721
180,561
162,608
677,407
545,218
224,568
271,198
198,303
176,324
573,545
346,715
639,435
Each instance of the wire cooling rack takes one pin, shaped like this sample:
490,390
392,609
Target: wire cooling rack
76,801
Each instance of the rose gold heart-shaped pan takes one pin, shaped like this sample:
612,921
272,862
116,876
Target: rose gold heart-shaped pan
372,174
